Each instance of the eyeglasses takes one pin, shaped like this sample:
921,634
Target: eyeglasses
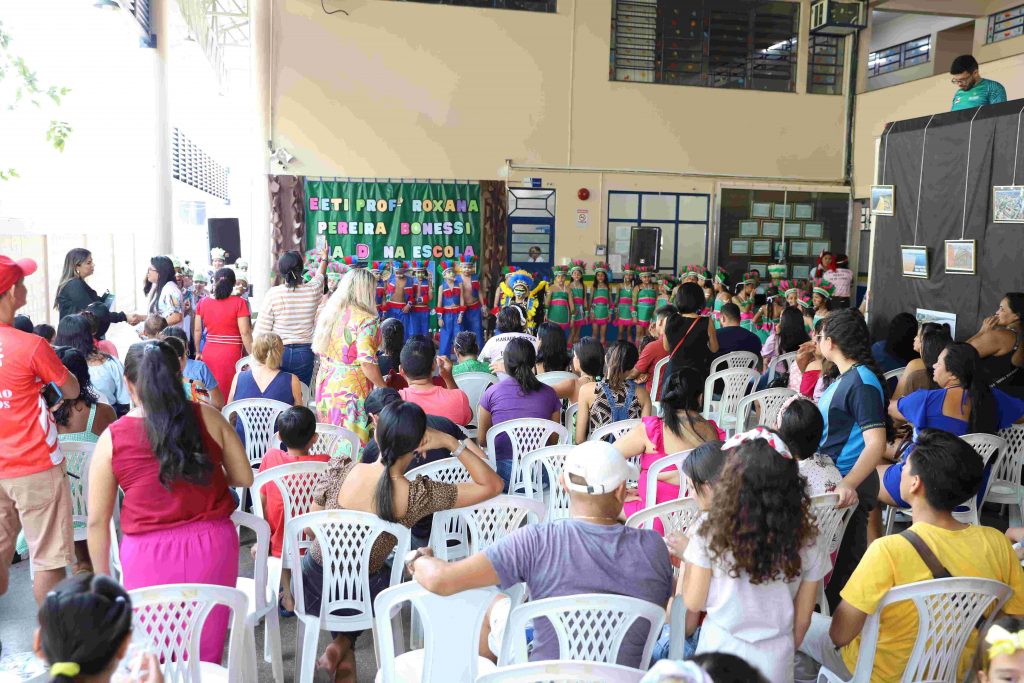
961,81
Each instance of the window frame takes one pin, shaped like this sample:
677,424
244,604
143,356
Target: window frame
992,33
899,51
639,220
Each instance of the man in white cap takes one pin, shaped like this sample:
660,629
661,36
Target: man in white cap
34,491
591,552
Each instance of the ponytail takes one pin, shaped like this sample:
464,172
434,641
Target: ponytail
682,395
520,359
172,426
962,361
83,622
400,429
223,283
849,333
290,267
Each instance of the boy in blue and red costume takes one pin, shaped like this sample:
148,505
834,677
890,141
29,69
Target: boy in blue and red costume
419,315
398,295
472,298
450,310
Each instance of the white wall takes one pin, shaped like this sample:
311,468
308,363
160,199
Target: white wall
901,29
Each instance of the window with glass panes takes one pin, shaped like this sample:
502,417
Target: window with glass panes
825,64
910,53
683,219
1005,25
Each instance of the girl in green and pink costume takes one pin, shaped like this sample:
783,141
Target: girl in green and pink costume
625,312
560,299
601,301
722,294
645,295
580,299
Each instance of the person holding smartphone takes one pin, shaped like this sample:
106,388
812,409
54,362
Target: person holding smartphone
34,492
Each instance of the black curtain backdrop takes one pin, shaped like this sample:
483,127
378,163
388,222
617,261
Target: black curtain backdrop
956,157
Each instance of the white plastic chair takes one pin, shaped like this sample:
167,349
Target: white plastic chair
549,460
258,417
244,363
948,610
488,522
987,446
657,468
450,533
1004,485
557,377
569,420
770,403
616,430
737,383
832,523
675,516
734,360
78,456
590,627
894,374
782,360
169,619
474,384
563,671
525,434
658,378
262,600
346,538
451,627
306,393
331,440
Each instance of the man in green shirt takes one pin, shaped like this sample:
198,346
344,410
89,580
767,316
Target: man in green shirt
974,91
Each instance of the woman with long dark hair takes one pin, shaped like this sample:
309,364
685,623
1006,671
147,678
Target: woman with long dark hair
588,364
552,355
690,337
82,419
174,460
615,397
228,328
381,488
788,336
289,310
931,340
999,345
897,349
162,293
392,339
106,372
73,293
518,395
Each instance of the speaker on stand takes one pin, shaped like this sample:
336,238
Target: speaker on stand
223,233
644,245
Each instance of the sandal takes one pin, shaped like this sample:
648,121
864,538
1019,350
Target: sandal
281,611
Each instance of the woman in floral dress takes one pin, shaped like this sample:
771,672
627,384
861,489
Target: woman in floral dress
347,337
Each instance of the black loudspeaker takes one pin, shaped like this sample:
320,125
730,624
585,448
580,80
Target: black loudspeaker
644,245
224,234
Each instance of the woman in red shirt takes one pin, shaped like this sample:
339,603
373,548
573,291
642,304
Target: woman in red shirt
175,461
228,328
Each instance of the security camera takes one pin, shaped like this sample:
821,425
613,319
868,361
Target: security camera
283,156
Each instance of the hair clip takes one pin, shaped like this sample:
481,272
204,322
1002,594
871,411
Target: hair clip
760,433
1002,642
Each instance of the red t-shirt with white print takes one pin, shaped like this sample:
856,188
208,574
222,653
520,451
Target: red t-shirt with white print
28,434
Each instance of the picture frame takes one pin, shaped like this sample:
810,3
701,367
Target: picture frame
883,200
925,315
961,257
761,268
793,230
739,247
1008,204
771,229
779,251
799,248
801,272
814,231
760,209
782,210
803,212
760,247
914,259
818,246
750,228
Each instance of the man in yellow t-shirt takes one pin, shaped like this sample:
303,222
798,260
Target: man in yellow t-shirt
942,472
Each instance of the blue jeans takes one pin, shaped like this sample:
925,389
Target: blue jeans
504,469
662,646
298,360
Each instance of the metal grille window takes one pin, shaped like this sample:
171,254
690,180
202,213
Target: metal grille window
1005,25
140,10
746,44
825,65
527,5
192,166
910,53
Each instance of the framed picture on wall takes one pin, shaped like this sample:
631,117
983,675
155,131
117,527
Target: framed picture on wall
1008,204
915,261
760,209
750,228
803,211
801,272
779,251
761,268
883,200
814,231
799,248
782,210
818,246
793,230
960,257
771,229
738,247
761,248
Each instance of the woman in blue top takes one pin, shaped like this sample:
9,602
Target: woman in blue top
962,405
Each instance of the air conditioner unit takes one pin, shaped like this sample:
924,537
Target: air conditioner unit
838,17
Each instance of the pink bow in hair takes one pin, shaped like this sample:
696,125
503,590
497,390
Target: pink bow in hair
785,406
760,433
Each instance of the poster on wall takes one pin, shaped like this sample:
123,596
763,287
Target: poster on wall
925,315
1008,204
915,261
960,256
883,200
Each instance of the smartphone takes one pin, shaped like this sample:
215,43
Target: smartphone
52,395
321,242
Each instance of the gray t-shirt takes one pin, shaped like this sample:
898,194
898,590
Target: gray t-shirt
569,557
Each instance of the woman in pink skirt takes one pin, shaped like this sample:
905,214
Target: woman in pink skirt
175,461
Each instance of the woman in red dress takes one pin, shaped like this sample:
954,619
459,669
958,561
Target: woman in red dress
228,328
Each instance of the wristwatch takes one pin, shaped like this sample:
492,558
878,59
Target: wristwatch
460,450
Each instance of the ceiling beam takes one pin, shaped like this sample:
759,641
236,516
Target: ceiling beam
948,8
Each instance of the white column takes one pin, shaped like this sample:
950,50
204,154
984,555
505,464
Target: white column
261,51
163,214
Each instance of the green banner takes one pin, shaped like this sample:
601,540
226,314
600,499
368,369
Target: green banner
376,221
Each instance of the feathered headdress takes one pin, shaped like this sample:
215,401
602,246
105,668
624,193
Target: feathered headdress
824,288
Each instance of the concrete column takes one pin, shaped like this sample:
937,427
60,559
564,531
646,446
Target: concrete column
163,212
261,60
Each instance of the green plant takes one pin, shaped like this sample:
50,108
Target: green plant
28,89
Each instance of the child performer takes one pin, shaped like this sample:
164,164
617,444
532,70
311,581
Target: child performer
822,299
473,301
625,311
601,302
450,311
722,295
398,296
644,298
666,285
419,315
560,310
580,299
